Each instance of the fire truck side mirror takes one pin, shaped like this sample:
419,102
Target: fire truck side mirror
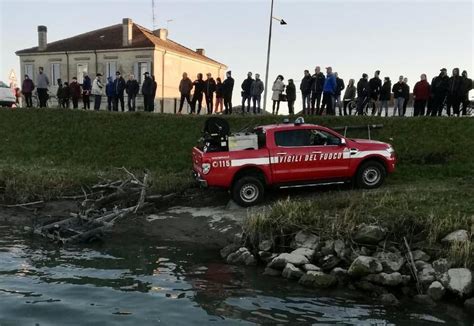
343,142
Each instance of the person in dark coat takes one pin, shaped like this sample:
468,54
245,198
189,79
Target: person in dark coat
337,94
27,88
305,88
246,92
317,86
421,95
185,87
153,93
110,92
455,92
66,96
467,86
406,95
60,92
209,91
375,87
119,89
349,95
132,88
439,91
228,90
363,93
398,96
86,91
219,96
75,90
199,88
147,91
385,96
256,92
291,96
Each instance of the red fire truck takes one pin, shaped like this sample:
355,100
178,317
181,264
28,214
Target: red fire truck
286,155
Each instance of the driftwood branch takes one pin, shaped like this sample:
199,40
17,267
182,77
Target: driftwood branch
24,204
412,265
109,202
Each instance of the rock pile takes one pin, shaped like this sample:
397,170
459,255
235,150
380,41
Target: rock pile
365,263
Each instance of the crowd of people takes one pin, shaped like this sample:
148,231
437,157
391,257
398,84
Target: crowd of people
73,92
321,93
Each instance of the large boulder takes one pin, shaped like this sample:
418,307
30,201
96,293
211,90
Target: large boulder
456,236
370,234
266,256
341,275
441,266
227,250
310,267
292,272
328,248
426,273
469,304
388,299
308,253
420,255
340,249
364,265
241,257
436,291
372,288
392,279
305,239
265,245
458,281
391,262
271,272
329,262
317,279
281,260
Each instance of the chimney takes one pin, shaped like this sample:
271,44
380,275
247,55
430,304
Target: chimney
127,36
161,33
201,51
42,38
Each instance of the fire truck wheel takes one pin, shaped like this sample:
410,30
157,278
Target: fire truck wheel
370,175
247,191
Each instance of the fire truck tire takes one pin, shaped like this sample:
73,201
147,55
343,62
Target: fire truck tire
247,191
370,175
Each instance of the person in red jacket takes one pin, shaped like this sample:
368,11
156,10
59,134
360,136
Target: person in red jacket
421,95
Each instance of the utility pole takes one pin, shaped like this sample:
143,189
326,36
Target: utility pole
153,13
268,59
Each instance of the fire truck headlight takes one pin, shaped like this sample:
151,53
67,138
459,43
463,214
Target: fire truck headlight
206,168
390,150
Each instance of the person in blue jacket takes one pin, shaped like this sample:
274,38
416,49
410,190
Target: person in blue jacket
329,89
110,92
119,89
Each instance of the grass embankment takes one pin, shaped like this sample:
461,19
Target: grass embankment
47,153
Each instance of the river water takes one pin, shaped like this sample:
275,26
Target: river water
130,282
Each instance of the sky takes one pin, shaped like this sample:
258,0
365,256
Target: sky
353,36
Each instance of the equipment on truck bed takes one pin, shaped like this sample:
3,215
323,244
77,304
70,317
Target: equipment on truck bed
239,142
215,135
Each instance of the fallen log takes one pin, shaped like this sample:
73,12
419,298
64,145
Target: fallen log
99,212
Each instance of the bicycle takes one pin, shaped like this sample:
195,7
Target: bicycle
352,106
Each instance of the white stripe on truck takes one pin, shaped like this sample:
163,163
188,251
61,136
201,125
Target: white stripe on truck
276,159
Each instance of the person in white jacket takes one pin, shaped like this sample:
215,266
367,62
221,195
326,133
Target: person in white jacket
278,88
97,88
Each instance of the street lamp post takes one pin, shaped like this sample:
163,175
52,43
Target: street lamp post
282,22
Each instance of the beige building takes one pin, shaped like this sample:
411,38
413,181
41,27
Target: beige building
128,48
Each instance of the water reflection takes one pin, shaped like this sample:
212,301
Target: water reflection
139,282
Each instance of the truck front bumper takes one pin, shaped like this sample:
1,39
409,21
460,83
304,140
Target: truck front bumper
202,183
